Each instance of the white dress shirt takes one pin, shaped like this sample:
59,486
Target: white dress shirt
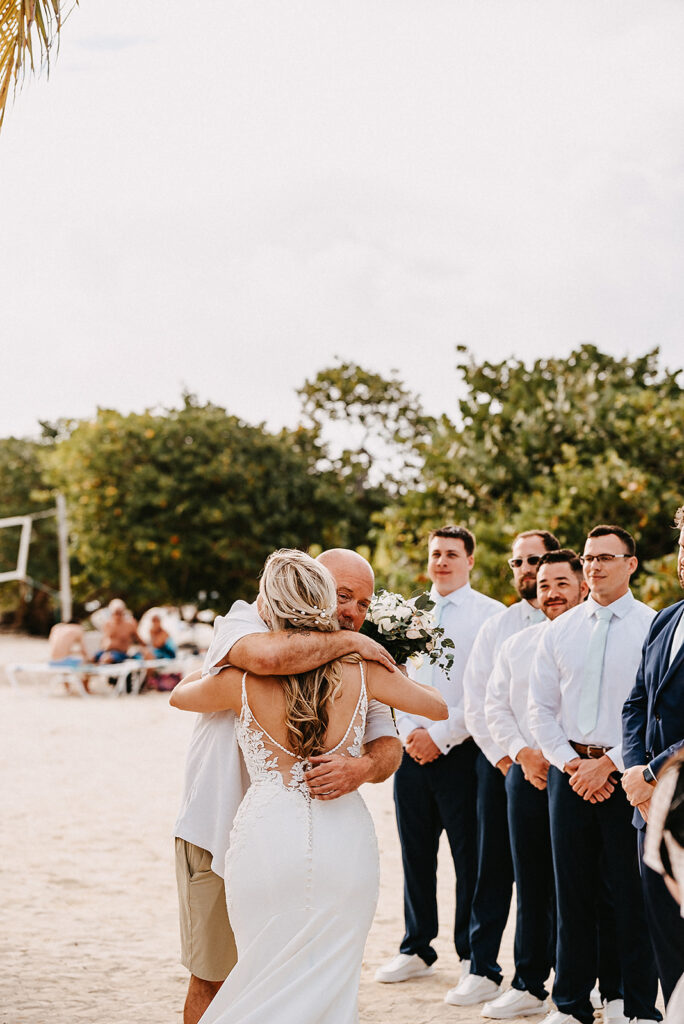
558,673
677,639
462,615
216,779
507,691
479,669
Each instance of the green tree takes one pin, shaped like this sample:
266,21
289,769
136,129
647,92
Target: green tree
369,429
562,444
165,507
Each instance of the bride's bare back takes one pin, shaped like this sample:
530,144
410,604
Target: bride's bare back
223,692
267,702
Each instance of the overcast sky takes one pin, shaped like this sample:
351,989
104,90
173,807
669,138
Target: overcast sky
228,196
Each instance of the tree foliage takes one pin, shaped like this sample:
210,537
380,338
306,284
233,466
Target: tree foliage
373,424
562,444
168,506
28,28
164,508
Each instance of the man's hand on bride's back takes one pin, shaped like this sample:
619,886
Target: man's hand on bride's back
334,775
371,650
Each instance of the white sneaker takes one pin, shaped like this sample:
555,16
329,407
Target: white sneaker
513,1002
473,989
614,1012
403,967
465,970
558,1017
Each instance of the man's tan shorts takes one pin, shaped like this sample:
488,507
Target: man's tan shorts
207,942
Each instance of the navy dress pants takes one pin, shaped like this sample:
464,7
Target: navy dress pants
534,948
590,841
494,885
430,798
665,924
609,971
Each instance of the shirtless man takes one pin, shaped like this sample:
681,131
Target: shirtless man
120,632
67,648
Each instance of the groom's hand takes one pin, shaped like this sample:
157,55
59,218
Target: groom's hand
333,775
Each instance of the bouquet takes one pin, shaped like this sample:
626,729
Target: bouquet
407,629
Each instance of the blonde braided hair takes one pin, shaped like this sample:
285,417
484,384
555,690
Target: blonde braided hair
299,593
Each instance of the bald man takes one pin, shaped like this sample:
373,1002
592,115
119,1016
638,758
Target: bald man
215,779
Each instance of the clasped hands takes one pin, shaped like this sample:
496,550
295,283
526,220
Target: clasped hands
534,765
637,790
421,747
592,778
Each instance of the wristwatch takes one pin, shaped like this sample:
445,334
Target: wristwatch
648,775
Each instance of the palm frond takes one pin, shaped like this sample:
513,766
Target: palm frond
22,23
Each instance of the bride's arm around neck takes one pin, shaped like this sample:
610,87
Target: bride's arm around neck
222,692
402,693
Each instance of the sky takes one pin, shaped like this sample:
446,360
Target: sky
229,197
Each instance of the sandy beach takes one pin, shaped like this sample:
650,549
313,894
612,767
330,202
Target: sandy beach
90,934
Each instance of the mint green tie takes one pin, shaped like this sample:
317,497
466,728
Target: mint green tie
587,714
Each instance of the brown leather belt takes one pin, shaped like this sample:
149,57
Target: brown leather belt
589,749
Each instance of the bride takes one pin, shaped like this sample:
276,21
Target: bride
301,874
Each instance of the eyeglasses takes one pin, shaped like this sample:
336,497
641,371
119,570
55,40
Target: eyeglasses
601,559
515,563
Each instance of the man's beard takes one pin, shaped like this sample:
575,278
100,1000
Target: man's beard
346,624
528,589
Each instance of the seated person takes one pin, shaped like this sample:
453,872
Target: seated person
120,632
67,647
162,644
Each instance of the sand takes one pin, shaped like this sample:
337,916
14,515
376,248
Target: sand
91,788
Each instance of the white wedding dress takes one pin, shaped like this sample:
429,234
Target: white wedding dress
302,886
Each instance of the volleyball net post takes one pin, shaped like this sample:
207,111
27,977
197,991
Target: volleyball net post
20,572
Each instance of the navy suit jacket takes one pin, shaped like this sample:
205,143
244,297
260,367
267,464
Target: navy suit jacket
653,714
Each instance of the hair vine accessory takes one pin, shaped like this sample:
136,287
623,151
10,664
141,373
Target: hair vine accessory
323,613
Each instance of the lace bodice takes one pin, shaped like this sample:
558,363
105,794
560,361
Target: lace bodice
270,763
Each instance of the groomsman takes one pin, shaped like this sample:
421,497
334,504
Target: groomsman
560,586
434,787
494,885
584,668
653,729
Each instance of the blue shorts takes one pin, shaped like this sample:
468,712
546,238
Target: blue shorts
116,657
66,663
